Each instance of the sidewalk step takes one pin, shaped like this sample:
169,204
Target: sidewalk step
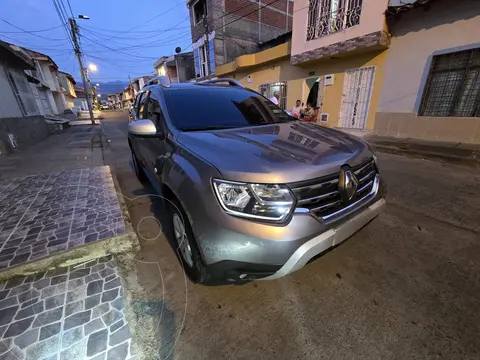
469,158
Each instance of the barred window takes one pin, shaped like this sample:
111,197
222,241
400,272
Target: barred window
330,16
453,85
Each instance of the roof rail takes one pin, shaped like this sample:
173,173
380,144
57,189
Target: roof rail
160,80
229,81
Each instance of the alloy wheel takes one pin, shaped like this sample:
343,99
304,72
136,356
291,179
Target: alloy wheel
182,240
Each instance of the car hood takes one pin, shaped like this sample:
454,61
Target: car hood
277,153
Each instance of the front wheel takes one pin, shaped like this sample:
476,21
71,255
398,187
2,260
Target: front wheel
186,245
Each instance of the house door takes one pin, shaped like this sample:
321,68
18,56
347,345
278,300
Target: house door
46,105
315,95
357,91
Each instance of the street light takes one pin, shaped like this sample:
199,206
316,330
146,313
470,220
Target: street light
99,95
97,84
92,67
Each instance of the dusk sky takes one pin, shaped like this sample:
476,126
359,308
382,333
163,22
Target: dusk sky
133,31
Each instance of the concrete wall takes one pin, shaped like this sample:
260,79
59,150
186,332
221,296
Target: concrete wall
59,102
8,102
372,20
416,37
26,130
47,74
296,81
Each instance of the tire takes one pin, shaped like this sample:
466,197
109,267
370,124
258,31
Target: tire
186,246
137,167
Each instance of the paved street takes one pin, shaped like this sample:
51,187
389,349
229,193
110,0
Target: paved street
407,286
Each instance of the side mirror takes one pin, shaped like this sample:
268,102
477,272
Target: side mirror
144,128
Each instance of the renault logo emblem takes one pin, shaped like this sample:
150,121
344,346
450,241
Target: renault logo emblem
347,184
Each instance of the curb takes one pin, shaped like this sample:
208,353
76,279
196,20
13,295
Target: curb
463,161
119,244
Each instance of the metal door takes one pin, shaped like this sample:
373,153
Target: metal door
44,98
315,95
357,91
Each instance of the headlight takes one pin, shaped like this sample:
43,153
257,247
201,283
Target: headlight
258,201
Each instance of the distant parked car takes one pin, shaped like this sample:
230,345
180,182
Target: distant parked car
252,192
104,107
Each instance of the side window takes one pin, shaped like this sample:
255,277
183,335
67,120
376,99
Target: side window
135,104
154,111
141,106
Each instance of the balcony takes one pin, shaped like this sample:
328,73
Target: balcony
326,28
325,17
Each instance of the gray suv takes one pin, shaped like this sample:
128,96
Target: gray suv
253,193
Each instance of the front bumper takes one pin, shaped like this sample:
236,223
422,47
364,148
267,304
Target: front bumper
328,239
239,249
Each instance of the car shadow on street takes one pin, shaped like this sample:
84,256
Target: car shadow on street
167,326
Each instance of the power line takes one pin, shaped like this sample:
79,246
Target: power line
158,32
70,7
155,17
61,6
29,32
63,21
120,52
112,63
34,46
151,44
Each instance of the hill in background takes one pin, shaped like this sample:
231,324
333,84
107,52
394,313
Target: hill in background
109,87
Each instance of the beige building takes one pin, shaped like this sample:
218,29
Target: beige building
334,61
67,84
431,87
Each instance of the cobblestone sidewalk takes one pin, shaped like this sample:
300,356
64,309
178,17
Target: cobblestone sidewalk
44,214
70,313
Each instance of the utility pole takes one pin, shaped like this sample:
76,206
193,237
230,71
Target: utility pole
207,46
74,30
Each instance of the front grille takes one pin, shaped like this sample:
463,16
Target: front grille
321,196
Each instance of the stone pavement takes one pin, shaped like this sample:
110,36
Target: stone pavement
41,215
74,148
68,313
61,226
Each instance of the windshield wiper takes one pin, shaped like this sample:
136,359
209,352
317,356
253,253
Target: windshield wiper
210,128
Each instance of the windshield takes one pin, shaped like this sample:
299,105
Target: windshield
220,108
